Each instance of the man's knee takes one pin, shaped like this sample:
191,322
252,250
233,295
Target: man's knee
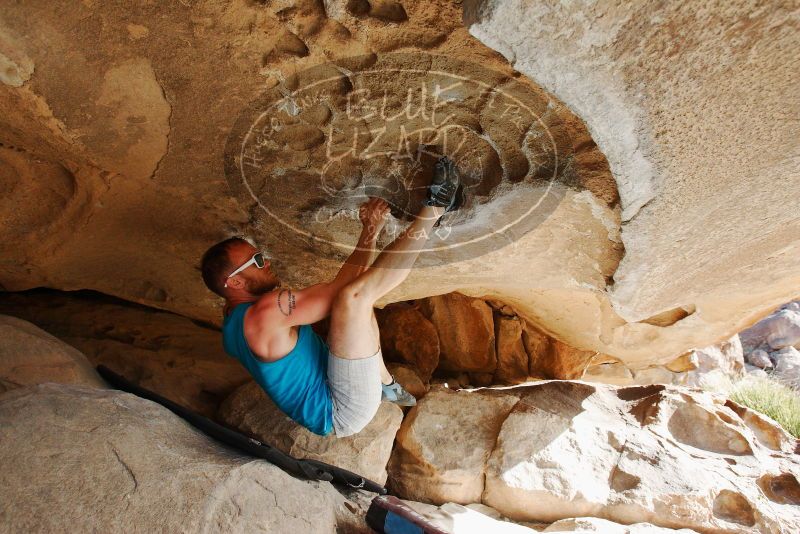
353,296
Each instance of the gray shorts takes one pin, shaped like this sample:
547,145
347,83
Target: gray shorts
355,391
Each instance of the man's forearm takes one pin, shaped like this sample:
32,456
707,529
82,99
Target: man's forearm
360,259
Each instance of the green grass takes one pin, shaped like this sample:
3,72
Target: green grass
772,399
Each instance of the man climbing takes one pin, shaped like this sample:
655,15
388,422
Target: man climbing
336,386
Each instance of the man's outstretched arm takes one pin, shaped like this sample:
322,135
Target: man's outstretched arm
285,307
372,215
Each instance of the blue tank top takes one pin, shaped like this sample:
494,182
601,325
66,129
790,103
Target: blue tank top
297,383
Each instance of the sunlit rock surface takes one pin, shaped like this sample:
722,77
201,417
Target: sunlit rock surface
668,456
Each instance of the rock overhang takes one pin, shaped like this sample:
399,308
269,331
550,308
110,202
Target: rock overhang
171,201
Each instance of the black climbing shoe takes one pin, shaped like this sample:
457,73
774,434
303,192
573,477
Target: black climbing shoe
445,190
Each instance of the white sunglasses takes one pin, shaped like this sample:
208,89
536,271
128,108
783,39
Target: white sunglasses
257,260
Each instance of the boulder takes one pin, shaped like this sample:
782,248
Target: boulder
408,378
760,358
466,332
752,370
165,124
787,365
776,331
552,358
569,362
442,449
784,329
408,337
29,355
666,455
107,461
539,347
482,380
250,410
512,360
717,363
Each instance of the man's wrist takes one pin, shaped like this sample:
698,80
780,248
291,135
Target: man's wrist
369,234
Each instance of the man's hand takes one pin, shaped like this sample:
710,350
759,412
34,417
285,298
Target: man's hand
373,214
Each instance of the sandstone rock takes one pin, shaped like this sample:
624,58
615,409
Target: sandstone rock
466,332
539,347
118,463
685,362
29,355
569,362
160,351
713,368
442,450
514,472
752,370
501,308
778,330
512,360
760,358
784,329
481,380
724,361
609,373
619,71
669,456
408,378
250,410
552,358
787,365
407,336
